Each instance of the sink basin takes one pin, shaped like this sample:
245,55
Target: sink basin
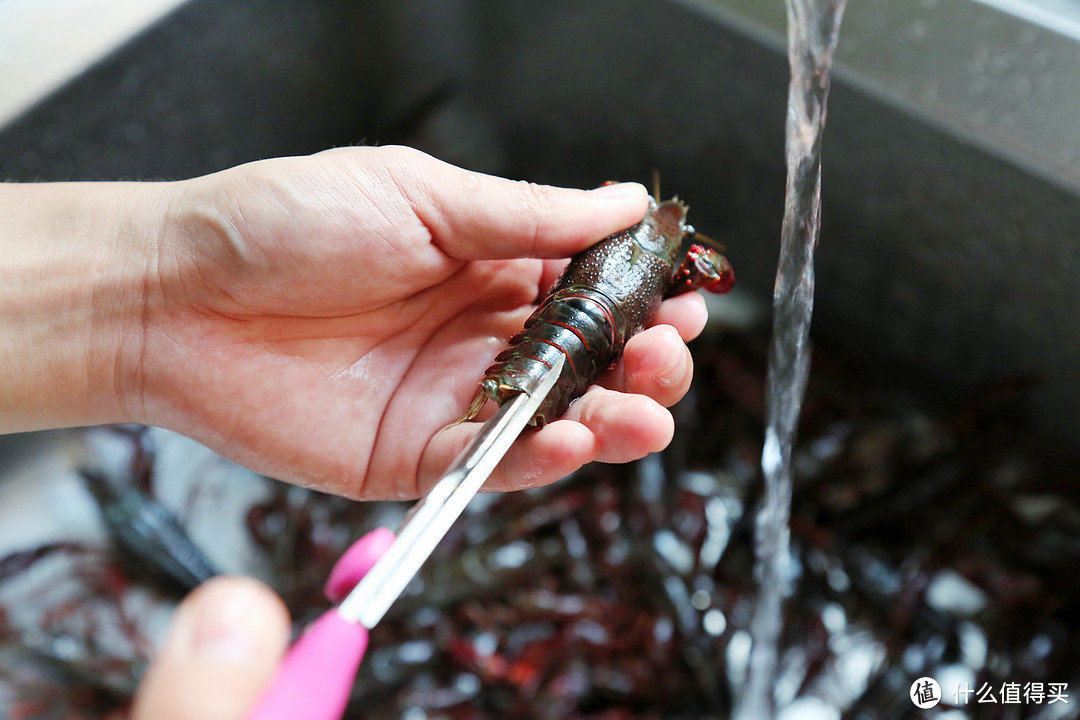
947,254
951,178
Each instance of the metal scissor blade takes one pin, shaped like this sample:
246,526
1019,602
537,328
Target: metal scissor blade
433,515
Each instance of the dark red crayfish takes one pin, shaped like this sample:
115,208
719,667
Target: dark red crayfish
604,297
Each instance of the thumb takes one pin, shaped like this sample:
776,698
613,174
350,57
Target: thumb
222,649
472,216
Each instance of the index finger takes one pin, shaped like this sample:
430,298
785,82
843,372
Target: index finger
473,216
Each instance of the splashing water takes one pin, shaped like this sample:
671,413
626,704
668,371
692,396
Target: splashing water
813,28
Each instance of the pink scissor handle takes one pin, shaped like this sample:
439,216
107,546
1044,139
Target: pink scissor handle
317,674
355,563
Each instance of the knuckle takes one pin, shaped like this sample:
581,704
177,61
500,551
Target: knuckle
397,166
403,156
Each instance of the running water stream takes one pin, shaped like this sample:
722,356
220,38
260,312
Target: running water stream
813,28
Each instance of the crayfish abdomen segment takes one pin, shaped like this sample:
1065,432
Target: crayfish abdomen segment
579,325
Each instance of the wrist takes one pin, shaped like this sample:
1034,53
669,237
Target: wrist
76,264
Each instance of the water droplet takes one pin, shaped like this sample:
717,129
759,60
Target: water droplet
471,182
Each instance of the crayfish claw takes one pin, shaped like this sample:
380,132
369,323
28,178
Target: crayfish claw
702,268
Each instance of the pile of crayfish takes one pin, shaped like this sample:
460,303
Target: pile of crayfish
925,538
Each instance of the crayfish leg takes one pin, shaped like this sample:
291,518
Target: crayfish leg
473,410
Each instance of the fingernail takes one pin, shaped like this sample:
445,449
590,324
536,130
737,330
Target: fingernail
620,192
226,622
672,366
674,373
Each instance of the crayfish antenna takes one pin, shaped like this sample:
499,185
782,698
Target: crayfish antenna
695,236
656,185
472,411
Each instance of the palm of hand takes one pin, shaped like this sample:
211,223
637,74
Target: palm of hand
317,331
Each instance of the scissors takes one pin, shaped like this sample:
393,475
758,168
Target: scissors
316,677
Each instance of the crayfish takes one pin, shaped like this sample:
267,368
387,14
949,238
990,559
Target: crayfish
606,295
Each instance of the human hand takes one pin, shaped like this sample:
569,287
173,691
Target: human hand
321,319
221,651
